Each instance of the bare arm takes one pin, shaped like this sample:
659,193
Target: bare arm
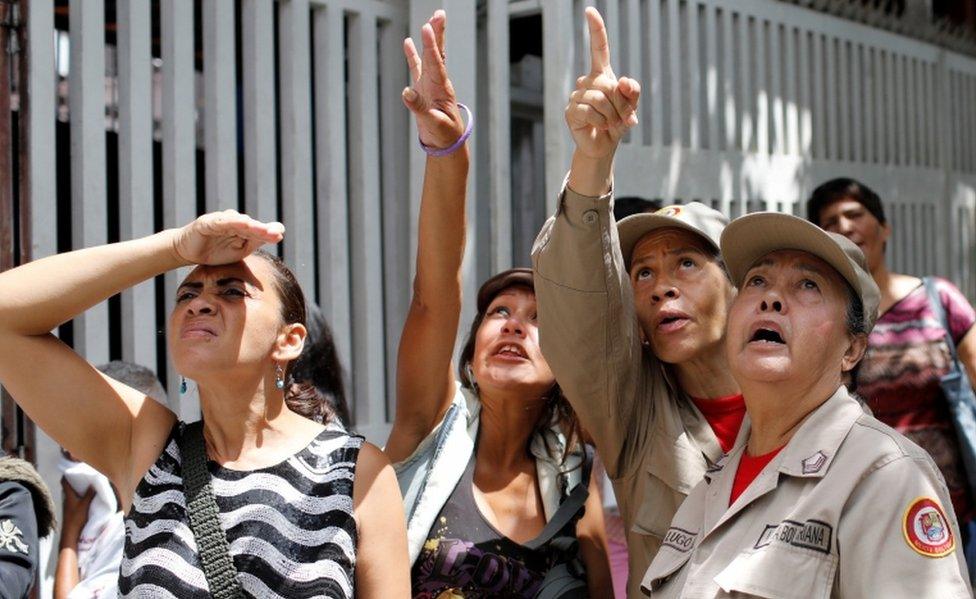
382,566
113,427
592,534
425,383
74,516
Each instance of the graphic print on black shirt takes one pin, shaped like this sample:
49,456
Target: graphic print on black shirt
465,556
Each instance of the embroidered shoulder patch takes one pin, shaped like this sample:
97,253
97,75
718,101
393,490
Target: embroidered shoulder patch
12,538
927,529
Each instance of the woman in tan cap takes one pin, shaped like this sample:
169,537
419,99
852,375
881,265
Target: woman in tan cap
821,499
492,469
632,320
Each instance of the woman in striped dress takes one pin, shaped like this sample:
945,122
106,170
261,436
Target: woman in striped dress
308,511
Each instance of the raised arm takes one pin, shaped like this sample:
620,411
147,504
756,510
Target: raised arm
425,383
113,427
588,329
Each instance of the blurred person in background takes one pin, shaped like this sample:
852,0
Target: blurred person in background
92,523
907,352
26,516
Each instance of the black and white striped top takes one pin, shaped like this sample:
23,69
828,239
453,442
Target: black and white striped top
290,526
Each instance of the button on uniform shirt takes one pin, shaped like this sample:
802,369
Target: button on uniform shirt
849,508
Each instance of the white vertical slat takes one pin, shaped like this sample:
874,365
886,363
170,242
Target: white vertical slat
907,88
747,98
331,168
968,124
842,128
891,112
676,116
762,86
40,129
260,154
179,155
611,18
857,104
394,212
778,44
136,172
791,96
88,185
711,78
831,91
817,92
557,51
693,69
656,70
635,57
805,99
220,109
368,363
296,138
916,112
956,132
880,111
932,83
902,123
922,102
500,136
870,85
730,107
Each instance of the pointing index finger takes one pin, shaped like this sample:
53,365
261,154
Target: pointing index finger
599,44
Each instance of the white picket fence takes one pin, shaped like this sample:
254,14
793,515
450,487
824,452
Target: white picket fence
747,104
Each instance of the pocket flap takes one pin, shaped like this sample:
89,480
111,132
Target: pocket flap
780,572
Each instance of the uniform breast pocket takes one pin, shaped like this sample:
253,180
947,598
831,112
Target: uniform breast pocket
780,572
657,508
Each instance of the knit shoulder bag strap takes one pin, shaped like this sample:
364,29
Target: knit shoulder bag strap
212,545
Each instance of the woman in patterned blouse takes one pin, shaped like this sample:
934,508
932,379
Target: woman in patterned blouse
308,511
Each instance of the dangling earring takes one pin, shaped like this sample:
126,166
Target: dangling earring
279,377
182,385
470,372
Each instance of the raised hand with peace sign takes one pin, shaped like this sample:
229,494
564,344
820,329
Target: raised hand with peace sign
431,97
602,108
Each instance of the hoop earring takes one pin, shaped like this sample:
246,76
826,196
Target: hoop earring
279,377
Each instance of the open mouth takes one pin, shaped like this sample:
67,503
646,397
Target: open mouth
512,350
764,335
671,321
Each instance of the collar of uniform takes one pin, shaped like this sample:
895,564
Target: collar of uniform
812,449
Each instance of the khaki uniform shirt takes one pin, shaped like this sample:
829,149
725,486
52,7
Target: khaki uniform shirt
849,508
655,443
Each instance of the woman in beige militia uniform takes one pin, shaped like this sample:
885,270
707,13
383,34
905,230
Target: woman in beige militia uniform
632,320
820,499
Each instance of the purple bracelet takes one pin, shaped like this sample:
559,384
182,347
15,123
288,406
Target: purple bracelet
438,152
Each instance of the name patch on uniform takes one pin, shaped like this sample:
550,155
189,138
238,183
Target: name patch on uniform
812,534
680,539
927,529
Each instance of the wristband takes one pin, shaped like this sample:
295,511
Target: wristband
438,152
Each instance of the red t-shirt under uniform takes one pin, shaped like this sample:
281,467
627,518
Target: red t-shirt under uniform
749,468
724,415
